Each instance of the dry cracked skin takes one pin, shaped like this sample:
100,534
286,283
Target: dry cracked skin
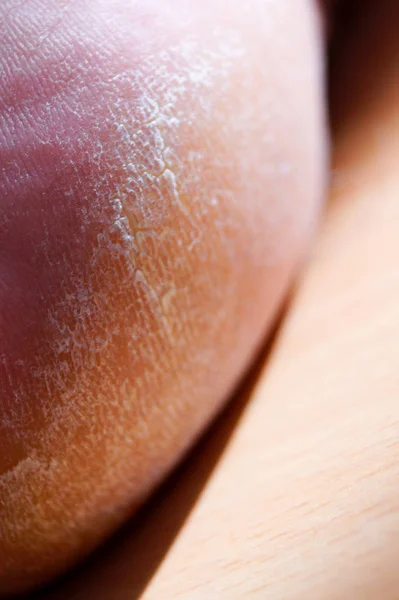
161,172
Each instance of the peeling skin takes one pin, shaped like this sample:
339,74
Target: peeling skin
141,191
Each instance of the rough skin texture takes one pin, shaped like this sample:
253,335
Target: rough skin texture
161,171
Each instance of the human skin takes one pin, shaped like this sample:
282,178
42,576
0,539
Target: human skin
160,182
302,501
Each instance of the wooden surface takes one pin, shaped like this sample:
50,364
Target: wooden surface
295,494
